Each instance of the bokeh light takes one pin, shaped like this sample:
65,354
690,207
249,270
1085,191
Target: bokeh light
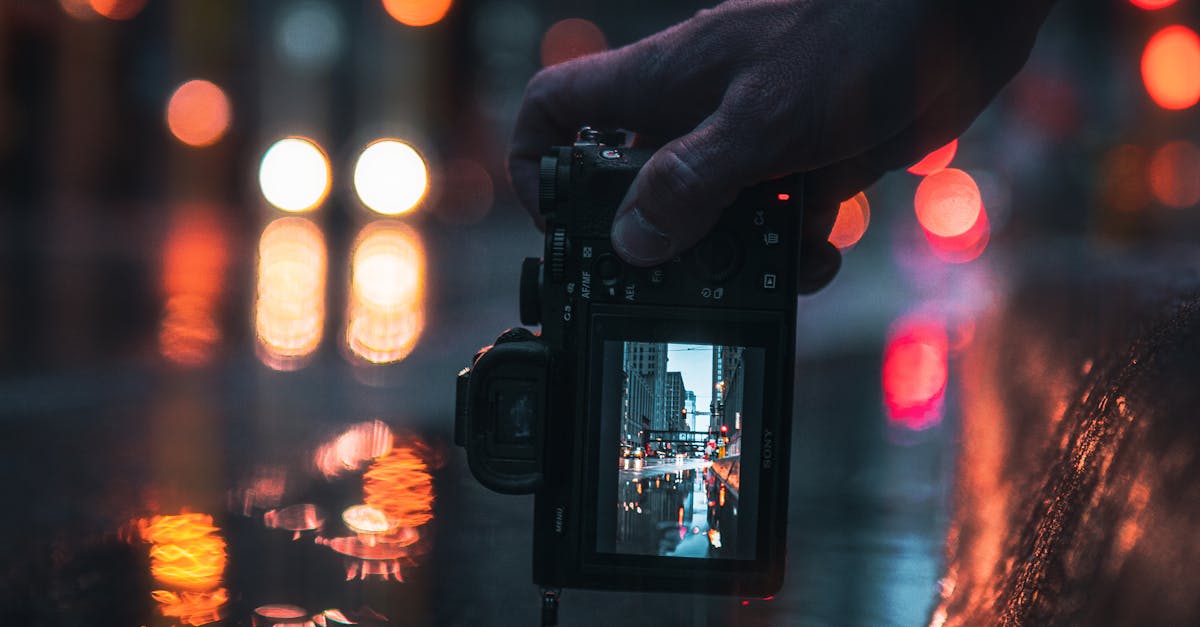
78,9
465,192
853,218
399,485
198,113
1174,174
1123,179
195,258
390,177
948,202
310,36
1171,67
187,551
915,372
571,38
289,309
964,247
417,12
118,9
353,448
1151,5
386,312
294,174
937,160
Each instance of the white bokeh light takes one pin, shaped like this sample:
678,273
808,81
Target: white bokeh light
294,175
390,177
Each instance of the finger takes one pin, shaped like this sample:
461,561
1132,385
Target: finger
948,116
819,263
613,89
680,191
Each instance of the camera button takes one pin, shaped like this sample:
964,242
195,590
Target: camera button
608,268
717,257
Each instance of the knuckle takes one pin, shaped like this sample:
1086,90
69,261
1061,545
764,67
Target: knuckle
673,178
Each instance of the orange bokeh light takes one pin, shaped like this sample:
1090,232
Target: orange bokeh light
195,258
1174,174
417,12
915,372
118,9
1151,5
854,215
937,160
948,202
399,485
1171,67
187,553
571,38
289,312
198,113
386,312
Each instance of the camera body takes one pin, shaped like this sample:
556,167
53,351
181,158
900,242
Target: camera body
652,415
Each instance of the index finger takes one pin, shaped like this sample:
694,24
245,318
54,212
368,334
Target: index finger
612,89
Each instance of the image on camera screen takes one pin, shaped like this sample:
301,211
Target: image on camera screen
678,415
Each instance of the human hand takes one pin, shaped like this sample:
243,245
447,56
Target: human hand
754,89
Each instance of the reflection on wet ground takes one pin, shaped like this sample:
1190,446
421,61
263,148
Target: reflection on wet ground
329,497
678,508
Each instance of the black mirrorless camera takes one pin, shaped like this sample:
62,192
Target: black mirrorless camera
651,417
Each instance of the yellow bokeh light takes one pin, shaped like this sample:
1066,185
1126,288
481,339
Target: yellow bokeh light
289,311
386,312
390,177
294,174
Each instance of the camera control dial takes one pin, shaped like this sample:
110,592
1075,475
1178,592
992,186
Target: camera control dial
558,254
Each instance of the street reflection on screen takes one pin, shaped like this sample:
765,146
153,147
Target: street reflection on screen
289,310
677,412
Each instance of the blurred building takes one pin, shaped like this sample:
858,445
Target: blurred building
649,361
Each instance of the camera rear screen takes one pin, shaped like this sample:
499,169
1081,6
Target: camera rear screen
680,427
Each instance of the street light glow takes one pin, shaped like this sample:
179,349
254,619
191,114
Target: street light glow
390,177
294,174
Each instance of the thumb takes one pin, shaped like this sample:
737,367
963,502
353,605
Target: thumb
680,192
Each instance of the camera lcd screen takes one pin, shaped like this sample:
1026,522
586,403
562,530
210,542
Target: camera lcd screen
679,426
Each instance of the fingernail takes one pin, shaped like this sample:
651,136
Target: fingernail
639,241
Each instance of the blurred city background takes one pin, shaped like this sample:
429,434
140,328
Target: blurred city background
247,244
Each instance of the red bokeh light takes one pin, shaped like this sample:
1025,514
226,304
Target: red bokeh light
854,215
198,113
965,247
948,203
1174,174
1151,5
571,38
417,12
915,372
118,9
937,160
1171,67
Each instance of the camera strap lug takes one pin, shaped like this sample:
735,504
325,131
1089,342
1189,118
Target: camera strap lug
550,598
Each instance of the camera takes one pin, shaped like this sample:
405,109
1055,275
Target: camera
651,416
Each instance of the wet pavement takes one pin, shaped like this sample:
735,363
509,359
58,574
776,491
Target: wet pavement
149,485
